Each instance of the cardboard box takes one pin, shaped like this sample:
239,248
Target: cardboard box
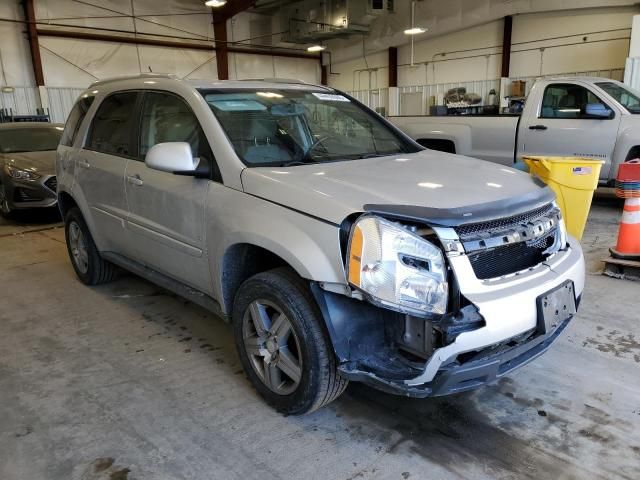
518,88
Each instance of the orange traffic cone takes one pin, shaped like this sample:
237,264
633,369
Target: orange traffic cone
629,234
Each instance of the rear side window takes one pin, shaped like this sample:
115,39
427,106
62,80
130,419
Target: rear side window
74,121
113,125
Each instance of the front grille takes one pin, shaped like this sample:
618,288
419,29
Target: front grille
500,261
471,229
24,195
519,252
52,184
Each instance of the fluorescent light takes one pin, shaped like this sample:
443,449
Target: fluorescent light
414,30
269,94
430,185
316,48
215,3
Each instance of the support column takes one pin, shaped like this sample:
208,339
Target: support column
222,53
393,67
506,45
324,76
34,46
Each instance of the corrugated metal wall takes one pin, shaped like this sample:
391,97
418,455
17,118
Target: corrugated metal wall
26,101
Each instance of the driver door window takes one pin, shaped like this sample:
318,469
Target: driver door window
567,101
167,118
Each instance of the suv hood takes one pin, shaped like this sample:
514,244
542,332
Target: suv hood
437,180
44,163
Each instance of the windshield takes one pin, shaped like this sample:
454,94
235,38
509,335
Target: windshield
15,140
626,97
292,127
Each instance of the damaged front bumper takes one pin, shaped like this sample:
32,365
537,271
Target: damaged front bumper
508,337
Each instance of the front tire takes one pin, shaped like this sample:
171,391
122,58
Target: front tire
89,266
5,210
282,343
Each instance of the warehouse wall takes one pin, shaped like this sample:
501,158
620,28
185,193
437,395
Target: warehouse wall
76,63
600,51
14,48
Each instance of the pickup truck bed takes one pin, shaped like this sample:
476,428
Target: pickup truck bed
490,137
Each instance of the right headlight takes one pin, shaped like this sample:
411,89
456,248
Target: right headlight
20,173
397,268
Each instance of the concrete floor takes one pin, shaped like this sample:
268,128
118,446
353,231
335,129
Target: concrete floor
125,381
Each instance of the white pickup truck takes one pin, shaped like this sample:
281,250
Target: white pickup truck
569,116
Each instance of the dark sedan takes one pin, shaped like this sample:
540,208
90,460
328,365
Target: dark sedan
27,165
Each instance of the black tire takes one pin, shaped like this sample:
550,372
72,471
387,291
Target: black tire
5,211
320,382
97,270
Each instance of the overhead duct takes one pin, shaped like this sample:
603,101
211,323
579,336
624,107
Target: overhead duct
311,21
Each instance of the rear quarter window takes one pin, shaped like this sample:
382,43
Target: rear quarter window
112,130
74,120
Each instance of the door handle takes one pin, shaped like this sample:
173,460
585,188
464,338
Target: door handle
537,127
134,180
83,164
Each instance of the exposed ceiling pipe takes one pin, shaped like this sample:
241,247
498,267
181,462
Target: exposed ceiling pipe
443,21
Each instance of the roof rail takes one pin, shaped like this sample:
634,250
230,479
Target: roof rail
276,80
132,77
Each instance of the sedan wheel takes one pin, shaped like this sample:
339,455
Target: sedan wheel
4,203
78,247
272,347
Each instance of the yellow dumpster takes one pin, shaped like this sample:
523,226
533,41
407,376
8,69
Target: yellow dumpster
573,179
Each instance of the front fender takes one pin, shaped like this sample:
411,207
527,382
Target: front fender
311,246
627,139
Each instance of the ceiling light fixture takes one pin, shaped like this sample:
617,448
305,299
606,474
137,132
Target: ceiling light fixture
414,30
215,3
316,48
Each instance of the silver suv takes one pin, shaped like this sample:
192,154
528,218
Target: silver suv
337,247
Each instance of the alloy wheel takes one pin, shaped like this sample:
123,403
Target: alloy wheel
272,346
78,247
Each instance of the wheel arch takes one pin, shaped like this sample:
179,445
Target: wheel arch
243,260
439,144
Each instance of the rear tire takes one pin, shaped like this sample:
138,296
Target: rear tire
281,340
89,266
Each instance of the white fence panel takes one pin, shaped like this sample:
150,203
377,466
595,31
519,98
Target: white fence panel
20,101
416,99
61,101
376,99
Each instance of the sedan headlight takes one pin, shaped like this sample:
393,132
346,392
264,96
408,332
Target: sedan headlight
20,173
396,267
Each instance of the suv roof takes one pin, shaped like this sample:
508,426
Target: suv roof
276,83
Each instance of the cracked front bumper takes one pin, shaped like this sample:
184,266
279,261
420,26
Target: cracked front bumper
509,338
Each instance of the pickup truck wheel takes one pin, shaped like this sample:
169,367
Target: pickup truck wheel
89,266
282,343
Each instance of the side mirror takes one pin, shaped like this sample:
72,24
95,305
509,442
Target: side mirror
598,110
171,157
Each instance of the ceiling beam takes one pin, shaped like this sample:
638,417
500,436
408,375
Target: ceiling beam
34,46
231,8
169,44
